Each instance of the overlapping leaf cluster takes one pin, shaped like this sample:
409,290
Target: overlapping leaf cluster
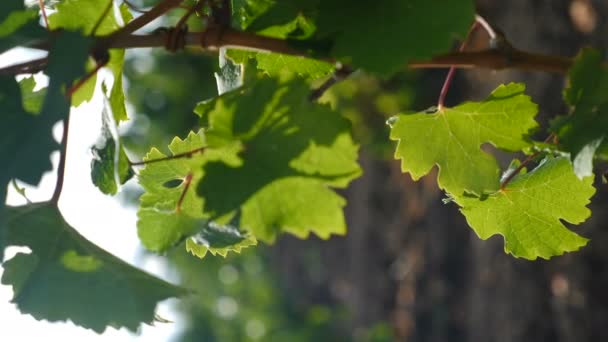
268,160
526,208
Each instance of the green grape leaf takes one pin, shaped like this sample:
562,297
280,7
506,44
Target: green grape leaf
18,26
273,64
110,166
259,15
527,212
587,123
68,277
160,224
287,154
383,38
282,20
32,100
83,15
451,138
218,240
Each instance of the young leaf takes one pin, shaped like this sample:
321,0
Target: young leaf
383,37
528,211
110,166
218,240
290,152
451,139
68,277
588,121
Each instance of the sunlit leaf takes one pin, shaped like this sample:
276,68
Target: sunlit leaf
528,211
451,138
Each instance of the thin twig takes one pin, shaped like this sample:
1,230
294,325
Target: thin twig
81,81
30,67
521,166
187,183
62,158
175,156
43,10
452,71
139,22
341,73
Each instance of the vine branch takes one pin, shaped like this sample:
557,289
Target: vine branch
175,156
62,158
499,56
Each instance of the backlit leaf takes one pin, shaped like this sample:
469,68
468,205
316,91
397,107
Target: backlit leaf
451,139
66,277
289,155
528,211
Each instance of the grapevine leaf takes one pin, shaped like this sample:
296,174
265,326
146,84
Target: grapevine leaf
83,15
384,37
66,276
272,23
256,15
18,26
289,154
32,100
108,171
218,240
273,64
160,225
528,211
26,139
451,139
588,96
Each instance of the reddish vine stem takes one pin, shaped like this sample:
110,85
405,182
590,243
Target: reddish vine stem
82,81
521,166
175,156
452,71
187,182
62,158
43,10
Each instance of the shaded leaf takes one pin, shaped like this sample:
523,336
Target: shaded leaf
18,26
587,93
110,166
451,139
161,225
382,38
68,277
287,154
528,211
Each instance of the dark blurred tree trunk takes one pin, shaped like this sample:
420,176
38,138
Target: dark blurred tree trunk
411,260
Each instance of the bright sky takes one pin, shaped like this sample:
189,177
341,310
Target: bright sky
100,218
